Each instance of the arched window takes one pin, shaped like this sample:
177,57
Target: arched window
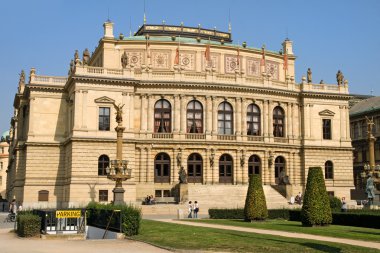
254,165
253,120
194,168
329,170
194,117
278,122
162,116
279,168
225,116
103,163
162,168
225,169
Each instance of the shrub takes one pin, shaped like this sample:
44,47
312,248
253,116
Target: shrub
237,213
316,207
28,224
357,219
335,204
255,205
126,221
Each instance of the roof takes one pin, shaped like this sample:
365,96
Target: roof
366,106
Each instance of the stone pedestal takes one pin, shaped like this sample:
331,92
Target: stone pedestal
183,193
118,196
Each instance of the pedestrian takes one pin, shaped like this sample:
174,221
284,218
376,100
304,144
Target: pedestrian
196,209
299,198
19,207
344,205
13,207
191,207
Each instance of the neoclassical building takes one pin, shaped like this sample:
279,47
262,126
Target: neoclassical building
3,162
191,99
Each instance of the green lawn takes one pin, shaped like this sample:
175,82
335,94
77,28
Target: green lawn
184,237
356,233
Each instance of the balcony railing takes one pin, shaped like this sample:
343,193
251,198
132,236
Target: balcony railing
162,135
255,138
195,136
281,139
226,137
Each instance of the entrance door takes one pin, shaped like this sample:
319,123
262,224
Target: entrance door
279,166
225,169
194,168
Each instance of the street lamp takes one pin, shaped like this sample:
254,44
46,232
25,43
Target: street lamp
119,170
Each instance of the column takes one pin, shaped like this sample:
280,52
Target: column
238,116
143,116
77,110
311,133
173,165
347,111
306,121
207,177
293,180
183,114
132,112
265,168
141,167
214,116
236,167
270,118
264,118
289,119
295,117
243,117
31,115
125,100
149,168
150,114
208,114
176,114
342,121
84,109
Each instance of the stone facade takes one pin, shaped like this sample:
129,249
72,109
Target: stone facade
4,157
249,103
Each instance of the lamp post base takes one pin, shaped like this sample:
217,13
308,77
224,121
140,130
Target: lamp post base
118,196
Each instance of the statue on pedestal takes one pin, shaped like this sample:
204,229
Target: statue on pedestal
119,112
309,75
86,57
370,189
339,77
182,176
124,60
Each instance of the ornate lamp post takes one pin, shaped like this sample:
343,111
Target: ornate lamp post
119,170
371,171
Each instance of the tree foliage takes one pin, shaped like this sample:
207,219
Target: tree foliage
316,205
255,204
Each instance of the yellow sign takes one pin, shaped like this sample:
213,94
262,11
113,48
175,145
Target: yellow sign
68,214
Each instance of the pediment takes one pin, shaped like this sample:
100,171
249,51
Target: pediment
105,100
327,113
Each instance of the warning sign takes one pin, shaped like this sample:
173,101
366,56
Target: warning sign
67,213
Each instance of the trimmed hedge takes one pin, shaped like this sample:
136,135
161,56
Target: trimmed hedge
127,220
316,205
28,224
357,218
335,204
255,205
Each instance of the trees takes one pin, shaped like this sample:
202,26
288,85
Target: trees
316,206
255,204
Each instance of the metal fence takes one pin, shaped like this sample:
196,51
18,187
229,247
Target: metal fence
50,223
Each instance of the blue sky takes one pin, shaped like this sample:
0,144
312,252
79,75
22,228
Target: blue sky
327,35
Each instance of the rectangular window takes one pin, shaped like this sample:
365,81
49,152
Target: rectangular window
103,195
104,118
326,129
330,193
43,195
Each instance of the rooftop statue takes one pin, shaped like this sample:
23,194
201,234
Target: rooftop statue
86,57
22,76
339,77
124,60
309,75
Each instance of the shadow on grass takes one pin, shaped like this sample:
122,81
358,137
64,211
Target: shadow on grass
313,245
364,232
272,224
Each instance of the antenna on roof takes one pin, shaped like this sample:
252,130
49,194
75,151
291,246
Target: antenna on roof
144,14
229,20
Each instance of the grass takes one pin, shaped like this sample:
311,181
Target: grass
355,233
184,237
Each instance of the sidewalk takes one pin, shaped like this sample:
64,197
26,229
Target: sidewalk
367,244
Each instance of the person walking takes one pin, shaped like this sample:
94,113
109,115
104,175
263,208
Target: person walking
191,207
196,209
344,205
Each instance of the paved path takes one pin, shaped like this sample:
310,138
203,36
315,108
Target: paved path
367,244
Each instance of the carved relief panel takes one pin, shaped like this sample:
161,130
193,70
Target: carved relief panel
136,58
187,60
231,63
253,66
212,63
272,69
161,59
